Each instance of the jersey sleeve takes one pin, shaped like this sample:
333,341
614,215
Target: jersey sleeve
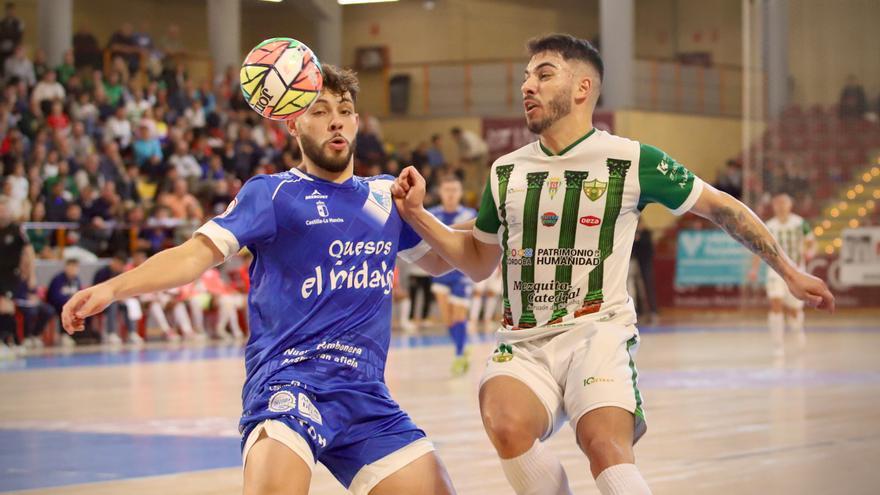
808,231
663,180
411,247
488,223
248,220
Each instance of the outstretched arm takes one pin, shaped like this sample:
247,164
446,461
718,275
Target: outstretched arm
743,225
173,267
457,246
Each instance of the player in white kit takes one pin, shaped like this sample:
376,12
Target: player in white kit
794,235
561,214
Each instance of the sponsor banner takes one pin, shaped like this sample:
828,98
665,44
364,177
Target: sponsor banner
860,257
506,134
710,257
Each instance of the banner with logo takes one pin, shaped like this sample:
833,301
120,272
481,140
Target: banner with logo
506,134
860,257
710,257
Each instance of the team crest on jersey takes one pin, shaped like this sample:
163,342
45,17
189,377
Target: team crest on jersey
378,204
503,353
282,401
322,209
553,186
594,189
382,198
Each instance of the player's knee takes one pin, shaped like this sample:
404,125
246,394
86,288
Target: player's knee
604,451
511,432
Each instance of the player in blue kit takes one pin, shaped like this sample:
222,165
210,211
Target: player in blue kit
453,289
324,245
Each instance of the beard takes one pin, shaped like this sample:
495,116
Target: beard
323,159
556,108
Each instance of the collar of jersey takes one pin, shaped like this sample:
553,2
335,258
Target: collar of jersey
348,184
567,148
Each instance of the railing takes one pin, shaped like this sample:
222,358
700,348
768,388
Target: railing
492,87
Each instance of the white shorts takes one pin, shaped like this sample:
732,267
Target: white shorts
366,478
492,284
777,289
574,372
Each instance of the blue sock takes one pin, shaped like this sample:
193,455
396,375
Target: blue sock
458,332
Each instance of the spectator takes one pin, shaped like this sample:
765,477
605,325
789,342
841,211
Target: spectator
35,313
62,287
147,150
16,264
11,33
471,148
370,150
57,119
118,129
123,44
434,153
46,91
181,204
113,88
184,162
473,153
41,65
643,252
731,179
117,309
40,238
86,51
66,69
82,144
20,67
853,103
170,42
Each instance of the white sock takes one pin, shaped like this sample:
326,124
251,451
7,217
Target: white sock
776,322
536,472
489,311
622,479
476,302
159,315
198,315
405,306
796,325
182,318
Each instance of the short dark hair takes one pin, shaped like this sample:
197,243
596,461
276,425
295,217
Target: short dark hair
569,47
338,80
449,177
71,261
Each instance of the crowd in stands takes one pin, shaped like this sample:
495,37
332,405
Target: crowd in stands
124,159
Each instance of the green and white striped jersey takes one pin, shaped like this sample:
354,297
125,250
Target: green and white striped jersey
566,225
791,235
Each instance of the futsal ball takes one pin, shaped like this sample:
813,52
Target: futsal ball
280,78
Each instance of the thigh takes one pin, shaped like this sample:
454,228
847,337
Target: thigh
425,475
518,387
272,467
603,374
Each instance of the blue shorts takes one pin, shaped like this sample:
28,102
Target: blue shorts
360,435
456,285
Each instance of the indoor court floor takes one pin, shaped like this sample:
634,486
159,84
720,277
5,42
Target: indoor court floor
724,416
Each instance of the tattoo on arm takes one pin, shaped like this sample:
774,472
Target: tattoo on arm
746,229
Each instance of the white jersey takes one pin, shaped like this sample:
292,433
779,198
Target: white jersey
791,236
566,225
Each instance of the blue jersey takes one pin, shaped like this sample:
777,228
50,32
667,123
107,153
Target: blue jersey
321,277
460,215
